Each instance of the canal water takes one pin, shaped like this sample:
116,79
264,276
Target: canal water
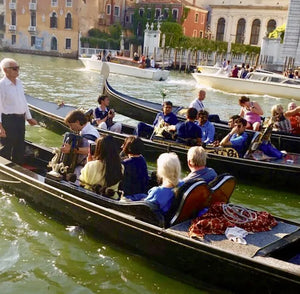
40,255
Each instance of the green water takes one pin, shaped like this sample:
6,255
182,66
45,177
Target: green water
39,255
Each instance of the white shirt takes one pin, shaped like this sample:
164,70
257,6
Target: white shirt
12,98
88,129
197,104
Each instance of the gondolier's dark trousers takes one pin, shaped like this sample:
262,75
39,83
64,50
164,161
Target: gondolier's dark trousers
13,146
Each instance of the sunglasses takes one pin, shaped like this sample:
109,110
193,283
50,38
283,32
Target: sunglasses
14,67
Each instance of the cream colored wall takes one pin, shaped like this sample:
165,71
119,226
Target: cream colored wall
43,30
232,15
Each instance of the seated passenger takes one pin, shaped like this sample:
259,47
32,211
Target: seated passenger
77,122
280,122
234,72
103,170
164,118
104,116
231,120
188,132
207,128
135,181
237,138
196,158
169,170
136,56
251,112
293,113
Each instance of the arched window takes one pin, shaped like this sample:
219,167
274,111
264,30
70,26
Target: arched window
53,43
220,29
271,25
255,32
53,20
13,18
68,21
240,31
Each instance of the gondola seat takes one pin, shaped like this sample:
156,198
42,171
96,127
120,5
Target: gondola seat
141,210
222,188
190,198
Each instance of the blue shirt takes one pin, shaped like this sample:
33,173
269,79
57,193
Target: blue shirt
170,118
207,174
239,143
135,179
208,132
188,130
162,197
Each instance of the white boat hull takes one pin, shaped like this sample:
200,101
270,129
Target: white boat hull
122,69
248,86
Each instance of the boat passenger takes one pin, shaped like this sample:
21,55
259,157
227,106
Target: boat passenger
166,117
188,132
207,128
135,181
251,111
198,102
78,123
103,171
227,68
152,62
136,56
104,116
148,62
280,122
232,120
237,138
196,159
234,72
168,170
296,74
293,113
142,61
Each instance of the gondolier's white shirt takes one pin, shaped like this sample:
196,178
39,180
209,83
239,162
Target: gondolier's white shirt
12,98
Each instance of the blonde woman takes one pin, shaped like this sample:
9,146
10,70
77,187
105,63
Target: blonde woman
281,124
169,170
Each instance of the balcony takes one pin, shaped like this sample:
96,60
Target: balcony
32,6
12,6
32,29
12,28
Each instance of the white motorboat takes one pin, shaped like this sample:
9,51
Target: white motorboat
261,83
116,67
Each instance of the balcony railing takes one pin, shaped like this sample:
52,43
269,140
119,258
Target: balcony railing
32,6
12,28
12,6
32,29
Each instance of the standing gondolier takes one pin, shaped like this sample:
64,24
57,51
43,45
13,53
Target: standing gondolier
13,112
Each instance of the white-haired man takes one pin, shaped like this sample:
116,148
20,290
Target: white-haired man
196,158
13,112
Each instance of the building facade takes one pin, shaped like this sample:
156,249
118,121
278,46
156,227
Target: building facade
245,22
46,26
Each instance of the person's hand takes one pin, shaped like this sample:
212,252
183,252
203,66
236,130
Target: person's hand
32,122
66,148
2,132
89,157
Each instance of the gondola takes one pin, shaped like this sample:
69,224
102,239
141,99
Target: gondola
266,265
143,110
283,173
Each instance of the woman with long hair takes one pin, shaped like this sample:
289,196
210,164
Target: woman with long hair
135,182
105,169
